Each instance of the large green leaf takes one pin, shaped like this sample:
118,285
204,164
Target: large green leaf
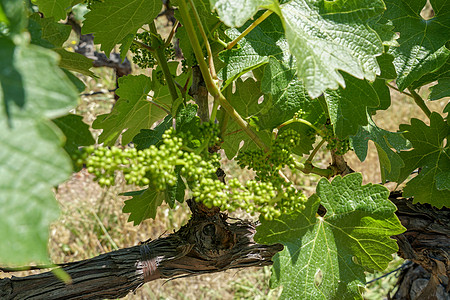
112,20
46,32
442,72
54,8
25,90
347,107
440,90
234,13
75,62
264,44
430,153
132,111
143,205
328,36
33,161
324,256
385,141
422,42
14,16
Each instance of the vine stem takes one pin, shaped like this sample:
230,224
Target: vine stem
205,39
172,33
395,88
162,62
299,120
309,168
420,102
316,149
249,28
144,46
209,81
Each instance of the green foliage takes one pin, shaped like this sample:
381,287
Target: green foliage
305,70
432,155
390,160
112,21
422,42
325,256
33,160
132,111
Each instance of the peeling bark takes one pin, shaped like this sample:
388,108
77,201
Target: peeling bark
427,243
208,243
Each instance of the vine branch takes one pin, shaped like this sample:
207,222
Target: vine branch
209,81
162,62
205,39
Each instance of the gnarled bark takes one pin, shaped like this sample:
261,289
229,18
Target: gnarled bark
208,243
427,243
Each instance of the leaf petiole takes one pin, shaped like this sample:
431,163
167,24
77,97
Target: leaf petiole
299,120
314,152
250,28
420,102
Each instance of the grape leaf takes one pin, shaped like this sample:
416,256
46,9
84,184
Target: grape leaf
430,153
442,72
422,42
132,111
264,44
14,16
324,256
147,137
47,33
76,131
30,144
387,67
21,81
32,163
245,102
327,36
142,205
390,160
112,20
54,8
234,13
347,107
75,62
176,192
440,90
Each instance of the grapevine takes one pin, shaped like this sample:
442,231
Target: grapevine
156,167
340,146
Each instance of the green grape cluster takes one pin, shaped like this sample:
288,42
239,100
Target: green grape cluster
143,57
267,164
253,197
205,136
157,167
154,165
340,146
